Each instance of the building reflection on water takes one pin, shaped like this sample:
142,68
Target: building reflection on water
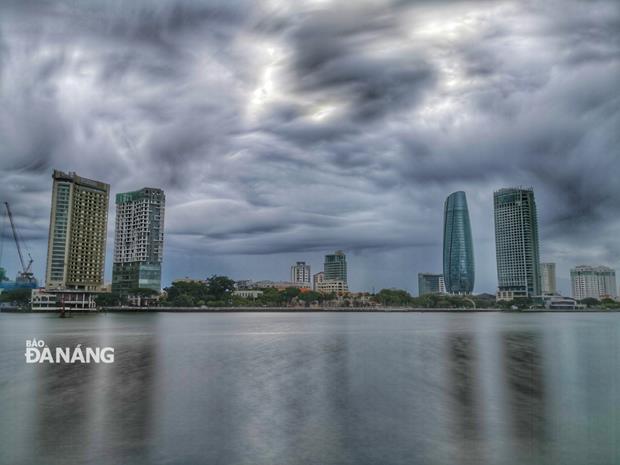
284,389
523,368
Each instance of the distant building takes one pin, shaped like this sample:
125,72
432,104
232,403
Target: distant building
516,243
248,293
597,282
547,278
300,274
335,267
335,286
431,283
53,301
458,248
244,284
77,233
187,279
317,279
556,302
280,285
139,240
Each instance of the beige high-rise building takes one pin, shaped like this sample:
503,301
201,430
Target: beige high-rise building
547,278
77,234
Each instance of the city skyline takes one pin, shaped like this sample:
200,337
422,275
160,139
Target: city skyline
155,194
281,133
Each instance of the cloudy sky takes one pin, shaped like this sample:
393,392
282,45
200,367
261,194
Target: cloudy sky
284,130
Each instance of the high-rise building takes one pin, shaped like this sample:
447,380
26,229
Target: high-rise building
139,240
431,283
317,279
77,233
300,274
547,278
516,243
335,267
458,248
595,282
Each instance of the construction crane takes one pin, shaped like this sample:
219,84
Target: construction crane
25,275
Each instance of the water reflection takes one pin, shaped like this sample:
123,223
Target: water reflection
463,383
526,389
315,388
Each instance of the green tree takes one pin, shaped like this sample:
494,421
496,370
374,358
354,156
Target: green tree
271,296
110,299
311,296
220,287
290,293
397,297
143,292
590,302
17,296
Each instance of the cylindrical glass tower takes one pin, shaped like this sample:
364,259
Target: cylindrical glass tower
458,249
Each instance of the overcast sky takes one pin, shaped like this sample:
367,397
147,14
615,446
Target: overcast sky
281,131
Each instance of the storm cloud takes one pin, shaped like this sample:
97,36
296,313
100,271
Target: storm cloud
284,130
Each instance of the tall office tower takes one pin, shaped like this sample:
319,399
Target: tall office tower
547,278
596,282
300,274
317,279
77,234
335,267
516,243
458,249
431,283
139,240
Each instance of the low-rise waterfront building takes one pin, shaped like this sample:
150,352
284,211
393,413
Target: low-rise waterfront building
335,286
54,301
317,279
248,293
557,302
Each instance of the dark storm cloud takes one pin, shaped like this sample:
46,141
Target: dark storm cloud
302,127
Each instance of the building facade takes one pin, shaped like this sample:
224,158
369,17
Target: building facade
596,282
516,243
77,233
138,240
458,248
547,278
332,286
335,267
317,279
431,283
300,274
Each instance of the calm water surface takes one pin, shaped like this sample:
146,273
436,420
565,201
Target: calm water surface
314,388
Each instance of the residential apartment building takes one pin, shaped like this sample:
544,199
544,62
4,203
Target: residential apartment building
597,282
138,240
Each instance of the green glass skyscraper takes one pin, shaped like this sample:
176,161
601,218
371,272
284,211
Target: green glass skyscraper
335,267
458,249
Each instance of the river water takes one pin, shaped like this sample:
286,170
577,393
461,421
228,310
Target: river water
312,388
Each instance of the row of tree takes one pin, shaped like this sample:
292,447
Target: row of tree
218,291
